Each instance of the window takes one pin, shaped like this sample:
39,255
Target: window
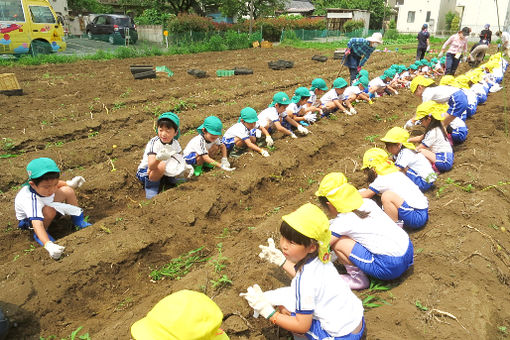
42,15
101,20
428,16
410,16
400,2
11,10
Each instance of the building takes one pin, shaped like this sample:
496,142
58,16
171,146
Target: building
477,13
299,7
336,18
412,14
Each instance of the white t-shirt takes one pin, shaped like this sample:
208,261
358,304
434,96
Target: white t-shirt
199,145
376,83
471,96
329,96
478,89
321,291
294,108
402,185
313,99
405,74
440,94
29,204
350,91
416,161
457,123
153,147
237,130
377,232
425,69
436,142
268,117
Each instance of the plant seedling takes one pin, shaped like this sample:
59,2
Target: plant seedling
225,233
502,329
371,138
221,282
420,306
180,266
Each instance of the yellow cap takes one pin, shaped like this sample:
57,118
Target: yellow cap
377,159
310,221
447,80
344,197
431,108
398,135
463,81
184,315
420,80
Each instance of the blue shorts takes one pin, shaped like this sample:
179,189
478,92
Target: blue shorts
459,135
471,110
444,161
317,333
413,218
383,267
228,142
191,158
481,98
25,224
420,181
457,104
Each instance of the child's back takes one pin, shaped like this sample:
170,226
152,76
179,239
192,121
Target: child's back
416,161
436,141
400,184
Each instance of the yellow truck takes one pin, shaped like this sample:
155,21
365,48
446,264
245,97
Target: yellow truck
29,26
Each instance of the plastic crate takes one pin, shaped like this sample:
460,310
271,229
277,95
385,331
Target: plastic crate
224,73
9,84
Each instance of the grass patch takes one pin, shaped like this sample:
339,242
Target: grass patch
180,266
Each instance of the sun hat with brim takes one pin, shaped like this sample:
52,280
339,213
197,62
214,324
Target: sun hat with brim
280,98
41,166
377,159
319,83
299,94
447,80
431,108
182,315
463,81
248,115
339,83
344,197
398,135
363,81
174,118
376,37
212,124
420,80
311,221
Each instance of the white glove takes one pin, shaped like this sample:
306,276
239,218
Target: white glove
271,254
258,133
440,54
264,153
293,135
283,296
396,92
428,48
409,124
224,161
311,117
227,167
54,249
302,129
258,301
269,141
464,59
76,182
165,153
190,170
353,111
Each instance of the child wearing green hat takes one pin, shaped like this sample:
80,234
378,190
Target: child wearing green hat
42,197
243,133
199,149
272,117
332,100
355,92
317,89
297,109
162,161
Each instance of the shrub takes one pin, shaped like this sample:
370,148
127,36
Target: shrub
391,34
448,20
393,24
455,25
289,36
215,43
353,25
152,16
236,41
190,22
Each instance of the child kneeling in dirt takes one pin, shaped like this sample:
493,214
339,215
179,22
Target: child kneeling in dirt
243,133
39,201
332,100
162,161
297,109
318,304
317,89
200,148
270,118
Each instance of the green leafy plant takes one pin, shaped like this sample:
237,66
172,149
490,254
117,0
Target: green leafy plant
420,306
502,329
92,134
377,285
371,138
74,336
219,262
30,249
124,304
225,233
221,282
373,301
180,266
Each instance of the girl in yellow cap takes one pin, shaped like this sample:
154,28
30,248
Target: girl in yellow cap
435,145
415,165
321,304
363,237
401,198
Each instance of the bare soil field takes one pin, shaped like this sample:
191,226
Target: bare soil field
94,120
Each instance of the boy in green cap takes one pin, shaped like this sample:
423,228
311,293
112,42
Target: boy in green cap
297,109
39,200
272,117
200,148
356,93
317,90
162,159
242,133
332,99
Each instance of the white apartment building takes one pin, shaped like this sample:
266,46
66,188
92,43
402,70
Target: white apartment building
476,13
412,14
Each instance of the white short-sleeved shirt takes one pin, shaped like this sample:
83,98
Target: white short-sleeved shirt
313,99
377,232
237,130
404,75
400,184
376,83
436,142
329,96
425,69
440,94
321,292
457,123
416,161
268,117
478,89
350,91
471,96
29,204
438,66
153,147
295,108
199,145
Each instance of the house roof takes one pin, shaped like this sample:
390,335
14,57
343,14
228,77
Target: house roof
299,6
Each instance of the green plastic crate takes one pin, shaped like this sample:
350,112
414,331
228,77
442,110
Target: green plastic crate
224,73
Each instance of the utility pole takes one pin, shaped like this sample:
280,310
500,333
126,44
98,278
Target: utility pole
252,9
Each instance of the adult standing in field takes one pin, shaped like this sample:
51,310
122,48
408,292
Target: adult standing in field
358,52
505,42
458,46
423,42
486,35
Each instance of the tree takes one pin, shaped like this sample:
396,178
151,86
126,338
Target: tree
377,8
448,20
92,6
239,8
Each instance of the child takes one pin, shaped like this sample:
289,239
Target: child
364,238
458,131
199,148
435,145
409,161
162,161
321,304
272,116
462,82
242,133
317,90
401,198
297,110
39,200
380,85
183,315
355,92
332,99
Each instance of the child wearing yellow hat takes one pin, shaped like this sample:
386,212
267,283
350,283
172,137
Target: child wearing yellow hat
415,165
463,82
183,315
401,198
364,238
435,145
322,305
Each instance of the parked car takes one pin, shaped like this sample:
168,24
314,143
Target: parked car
113,28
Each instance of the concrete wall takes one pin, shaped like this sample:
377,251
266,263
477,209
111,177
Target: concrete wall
437,9
152,33
477,13
365,16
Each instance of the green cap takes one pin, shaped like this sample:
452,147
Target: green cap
319,83
339,83
249,115
363,73
423,61
280,98
413,67
434,60
212,124
363,81
174,118
388,74
40,166
300,93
